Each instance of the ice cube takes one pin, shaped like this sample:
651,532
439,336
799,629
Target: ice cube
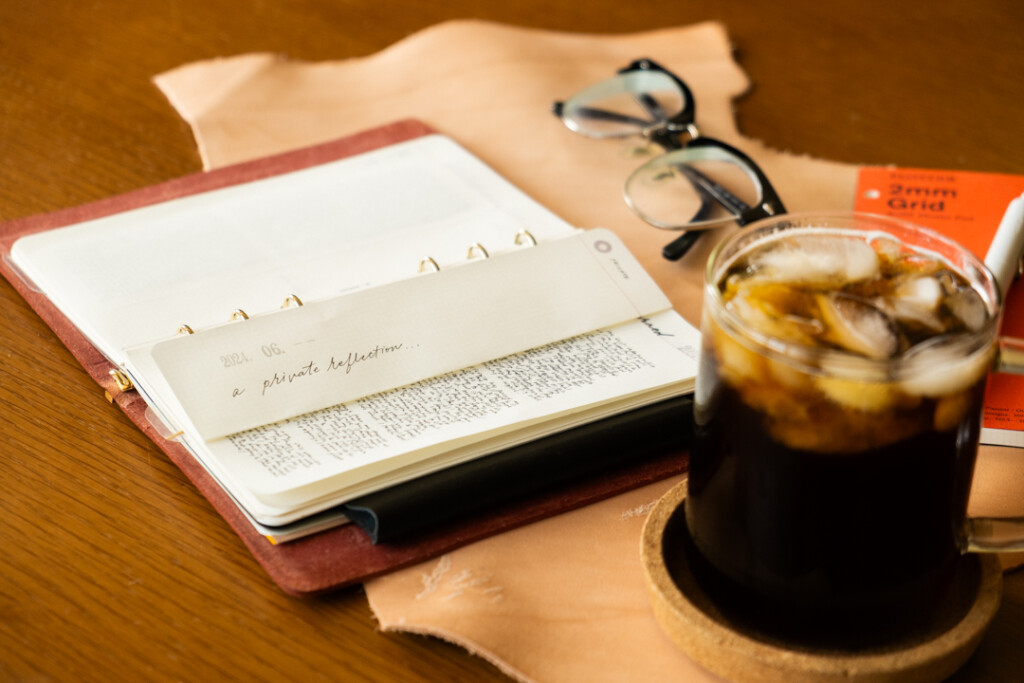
948,280
756,306
912,317
921,292
939,367
788,376
915,302
736,363
968,307
869,397
817,259
856,326
772,403
888,247
857,383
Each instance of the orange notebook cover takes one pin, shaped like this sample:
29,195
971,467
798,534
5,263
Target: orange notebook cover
343,555
967,207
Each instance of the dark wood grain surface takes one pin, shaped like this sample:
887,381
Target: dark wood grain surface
111,566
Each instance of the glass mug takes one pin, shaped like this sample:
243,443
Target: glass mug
838,411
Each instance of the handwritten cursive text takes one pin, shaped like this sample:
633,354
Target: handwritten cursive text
284,377
354,358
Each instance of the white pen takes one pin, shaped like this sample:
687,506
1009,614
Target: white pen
1007,246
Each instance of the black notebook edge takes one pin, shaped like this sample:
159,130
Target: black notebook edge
463,490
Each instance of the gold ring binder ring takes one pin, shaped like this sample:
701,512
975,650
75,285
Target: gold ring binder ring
290,300
186,329
526,236
428,263
477,249
239,314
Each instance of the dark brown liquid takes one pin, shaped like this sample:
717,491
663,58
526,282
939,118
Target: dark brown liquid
837,548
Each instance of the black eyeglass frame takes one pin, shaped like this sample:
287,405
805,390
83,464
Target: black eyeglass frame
668,134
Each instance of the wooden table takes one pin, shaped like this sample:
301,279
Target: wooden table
111,566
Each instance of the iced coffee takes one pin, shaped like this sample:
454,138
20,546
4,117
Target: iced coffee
838,411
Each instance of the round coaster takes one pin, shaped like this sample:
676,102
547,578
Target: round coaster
691,620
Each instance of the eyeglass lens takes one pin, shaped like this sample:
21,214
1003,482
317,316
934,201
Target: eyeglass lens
692,189
625,105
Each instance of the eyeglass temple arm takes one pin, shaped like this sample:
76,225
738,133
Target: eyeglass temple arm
651,106
770,204
677,248
597,114
709,192
707,186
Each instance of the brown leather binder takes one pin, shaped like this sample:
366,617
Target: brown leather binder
346,554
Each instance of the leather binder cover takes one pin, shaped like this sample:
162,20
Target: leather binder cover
344,555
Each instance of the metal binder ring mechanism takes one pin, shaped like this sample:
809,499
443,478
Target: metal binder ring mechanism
477,250
525,237
699,182
428,264
239,314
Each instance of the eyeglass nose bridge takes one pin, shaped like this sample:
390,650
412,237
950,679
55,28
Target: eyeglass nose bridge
671,137
690,130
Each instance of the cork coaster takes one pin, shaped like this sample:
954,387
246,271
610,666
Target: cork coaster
692,621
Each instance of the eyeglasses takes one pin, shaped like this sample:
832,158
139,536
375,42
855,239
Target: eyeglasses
699,182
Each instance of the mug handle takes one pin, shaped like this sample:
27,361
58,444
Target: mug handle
1005,260
994,534
999,534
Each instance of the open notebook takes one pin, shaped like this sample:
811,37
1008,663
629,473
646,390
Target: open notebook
348,318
